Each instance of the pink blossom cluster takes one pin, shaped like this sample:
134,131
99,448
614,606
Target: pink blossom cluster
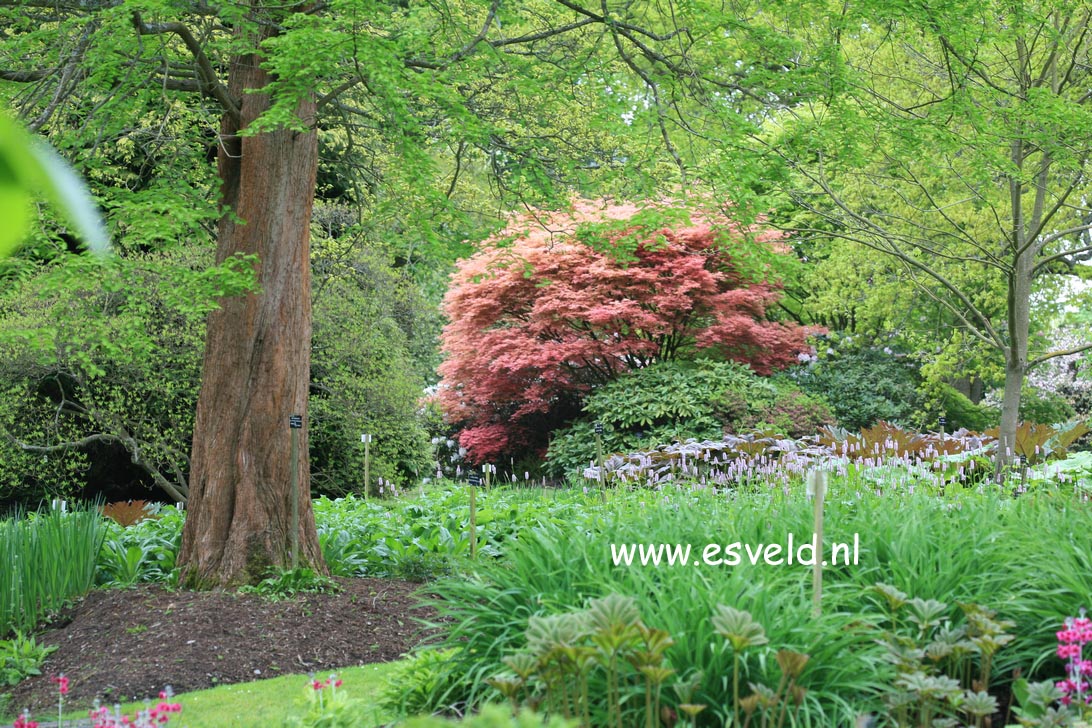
102,717
332,681
151,717
61,682
320,687
24,721
1071,641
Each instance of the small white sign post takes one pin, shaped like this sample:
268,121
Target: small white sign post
367,440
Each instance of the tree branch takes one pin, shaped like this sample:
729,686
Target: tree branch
1062,352
210,83
177,491
24,76
469,47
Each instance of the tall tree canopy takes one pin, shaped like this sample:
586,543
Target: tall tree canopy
413,97
560,302
955,138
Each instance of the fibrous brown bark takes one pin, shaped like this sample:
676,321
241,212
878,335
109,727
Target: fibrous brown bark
257,356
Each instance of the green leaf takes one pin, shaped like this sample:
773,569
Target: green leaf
29,166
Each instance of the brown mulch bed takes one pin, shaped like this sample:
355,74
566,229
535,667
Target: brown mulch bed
126,644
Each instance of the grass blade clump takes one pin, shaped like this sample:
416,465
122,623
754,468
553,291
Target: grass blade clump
49,557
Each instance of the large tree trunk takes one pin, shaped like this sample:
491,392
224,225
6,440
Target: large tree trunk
257,357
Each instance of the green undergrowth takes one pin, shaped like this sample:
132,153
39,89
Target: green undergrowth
416,538
48,558
1027,558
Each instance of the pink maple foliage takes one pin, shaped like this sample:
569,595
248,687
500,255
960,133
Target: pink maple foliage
560,302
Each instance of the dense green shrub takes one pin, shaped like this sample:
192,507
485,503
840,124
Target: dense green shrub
1042,407
100,367
99,371
776,404
364,378
959,411
962,413
863,385
677,400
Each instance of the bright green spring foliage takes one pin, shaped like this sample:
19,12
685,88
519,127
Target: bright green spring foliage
102,356
102,366
372,337
954,140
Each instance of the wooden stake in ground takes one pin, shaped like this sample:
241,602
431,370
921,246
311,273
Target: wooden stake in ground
295,424
367,440
474,479
817,488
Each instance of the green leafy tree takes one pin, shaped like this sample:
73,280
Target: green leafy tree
433,92
955,137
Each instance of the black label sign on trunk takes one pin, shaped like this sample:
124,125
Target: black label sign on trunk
474,478
295,422
599,428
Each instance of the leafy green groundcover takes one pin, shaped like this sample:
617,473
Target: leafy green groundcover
1027,558
415,538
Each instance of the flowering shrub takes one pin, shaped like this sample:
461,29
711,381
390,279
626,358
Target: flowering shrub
562,302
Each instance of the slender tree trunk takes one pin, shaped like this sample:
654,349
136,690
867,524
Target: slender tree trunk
1016,360
257,357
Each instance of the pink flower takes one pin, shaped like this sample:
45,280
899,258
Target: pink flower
1067,652
61,682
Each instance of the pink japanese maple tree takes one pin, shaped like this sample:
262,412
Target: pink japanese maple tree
560,302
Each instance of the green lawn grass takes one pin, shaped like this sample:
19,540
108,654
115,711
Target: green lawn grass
267,703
